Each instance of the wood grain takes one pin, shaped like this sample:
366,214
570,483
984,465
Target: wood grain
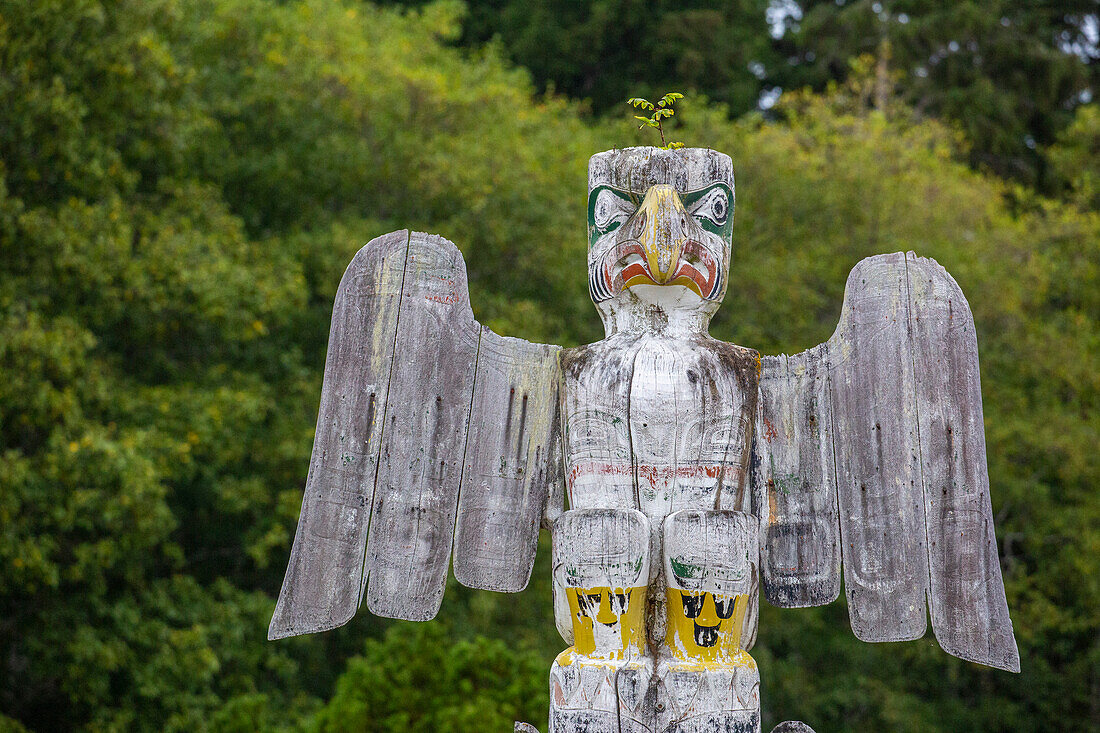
424,437
600,470
609,548
323,583
969,611
794,481
511,461
877,455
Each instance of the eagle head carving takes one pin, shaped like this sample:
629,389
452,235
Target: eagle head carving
660,227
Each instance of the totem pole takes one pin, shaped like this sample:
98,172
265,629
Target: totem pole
678,475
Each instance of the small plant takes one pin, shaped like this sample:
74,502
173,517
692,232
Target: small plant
661,110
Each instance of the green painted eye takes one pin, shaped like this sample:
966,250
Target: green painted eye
713,208
608,209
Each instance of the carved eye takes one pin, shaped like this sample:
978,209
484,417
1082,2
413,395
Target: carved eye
609,211
693,605
714,206
724,606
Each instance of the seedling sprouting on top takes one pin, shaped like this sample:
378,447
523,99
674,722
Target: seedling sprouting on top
661,110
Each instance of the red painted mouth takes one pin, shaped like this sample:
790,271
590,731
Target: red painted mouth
697,269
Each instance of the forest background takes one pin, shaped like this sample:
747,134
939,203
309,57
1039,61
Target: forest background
182,183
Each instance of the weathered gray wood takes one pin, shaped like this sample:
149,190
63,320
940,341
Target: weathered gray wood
711,551
709,700
511,461
606,548
600,554
424,437
691,408
637,697
794,481
792,726
874,438
596,405
324,576
969,611
715,552
877,455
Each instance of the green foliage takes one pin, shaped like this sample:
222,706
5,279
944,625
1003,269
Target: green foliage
416,678
662,110
603,50
1075,158
1008,73
181,185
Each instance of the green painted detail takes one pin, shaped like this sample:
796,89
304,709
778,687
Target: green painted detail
685,569
689,199
786,483
724,230
594,232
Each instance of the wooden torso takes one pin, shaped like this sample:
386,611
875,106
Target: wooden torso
659,423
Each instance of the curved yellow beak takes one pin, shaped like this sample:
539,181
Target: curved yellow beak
664,220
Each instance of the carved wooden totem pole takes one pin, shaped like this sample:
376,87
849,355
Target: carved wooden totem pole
695,472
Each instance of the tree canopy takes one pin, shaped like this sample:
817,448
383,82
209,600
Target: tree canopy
181,185
1010,74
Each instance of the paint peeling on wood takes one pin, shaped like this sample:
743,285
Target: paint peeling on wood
864,456
512,458
969,611
601,563
324,577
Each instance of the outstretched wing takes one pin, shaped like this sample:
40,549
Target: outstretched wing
871,447
433,432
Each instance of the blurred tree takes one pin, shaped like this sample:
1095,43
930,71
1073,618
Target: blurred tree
1007,73
415,678
181,185
1075,157
607,50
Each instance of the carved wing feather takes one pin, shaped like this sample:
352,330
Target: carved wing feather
434,433
871,448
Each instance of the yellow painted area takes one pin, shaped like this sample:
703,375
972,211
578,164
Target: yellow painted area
740,659
662,237
608,623
567,657
681,635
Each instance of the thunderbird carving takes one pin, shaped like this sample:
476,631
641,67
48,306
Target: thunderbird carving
679,475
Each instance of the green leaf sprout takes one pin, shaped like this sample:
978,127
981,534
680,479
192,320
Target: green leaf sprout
661,110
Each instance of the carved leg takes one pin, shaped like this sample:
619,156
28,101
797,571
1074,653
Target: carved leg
637,697
587,697
707,682
699,700
582,696
601,565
